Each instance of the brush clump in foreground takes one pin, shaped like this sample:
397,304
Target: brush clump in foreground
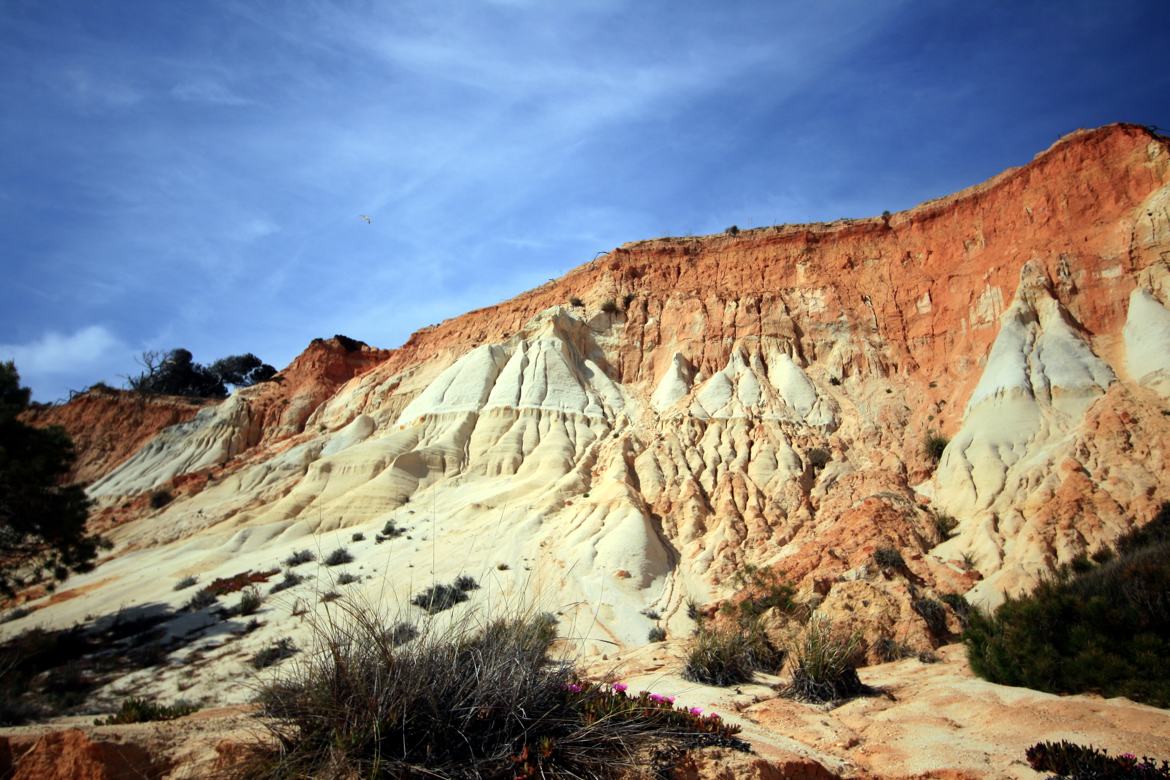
468,701
1104,629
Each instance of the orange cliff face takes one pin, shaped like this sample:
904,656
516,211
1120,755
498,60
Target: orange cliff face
107,426
717,402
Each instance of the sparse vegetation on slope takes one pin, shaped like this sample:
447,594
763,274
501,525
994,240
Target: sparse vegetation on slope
730,655
1106,630
142,710
473,701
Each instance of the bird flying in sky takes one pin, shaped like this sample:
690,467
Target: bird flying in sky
366,217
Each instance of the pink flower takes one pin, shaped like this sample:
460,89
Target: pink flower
668,699
620,687
656,698
696,711
573,688
713,716
1129,756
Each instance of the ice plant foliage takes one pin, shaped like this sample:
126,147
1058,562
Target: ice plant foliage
600,701
1069,760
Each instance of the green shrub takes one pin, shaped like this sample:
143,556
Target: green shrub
933,612
274,653
389,531
465,583
576,302
439,597
958,605
657,634
160,498
888,649
1157,531
944,526
887,557
778,595
204,598
825,666
250,601
291,580
732,231
728,656
186,582
1106,630
299,557
1080,762
472,701
609,307
338,557
358,537
934,446
141,710
345,578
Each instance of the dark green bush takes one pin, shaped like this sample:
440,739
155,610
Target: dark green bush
933,612
657,634
345,578
42,519
142,710
609,307
204,598
275,653
391,531
944,526
250,601
291,580
958,605
731,655
358,537
338,557
576,302
160,498
825,666
465,583
934,446
482,701
439,597
299,557
888,649
887,557
1080,762
1106,630
186,582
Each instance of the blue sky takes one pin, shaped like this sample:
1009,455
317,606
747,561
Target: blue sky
192,174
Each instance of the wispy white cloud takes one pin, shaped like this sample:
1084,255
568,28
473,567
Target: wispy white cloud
89,90
208,92
56,362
